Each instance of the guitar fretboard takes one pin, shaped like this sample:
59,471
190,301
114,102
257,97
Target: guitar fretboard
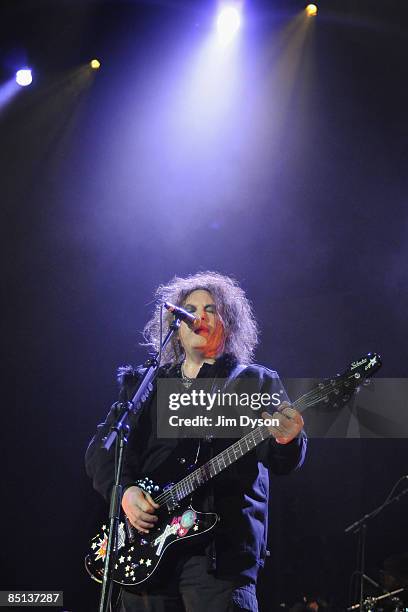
217,464
227,457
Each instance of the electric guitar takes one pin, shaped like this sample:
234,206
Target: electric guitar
139,555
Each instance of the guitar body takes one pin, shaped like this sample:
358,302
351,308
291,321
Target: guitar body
139,555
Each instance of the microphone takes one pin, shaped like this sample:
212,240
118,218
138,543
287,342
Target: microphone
183,315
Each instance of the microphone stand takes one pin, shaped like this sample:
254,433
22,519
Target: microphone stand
360,527
118,433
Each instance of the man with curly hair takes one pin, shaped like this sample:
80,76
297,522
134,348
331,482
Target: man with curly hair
219,574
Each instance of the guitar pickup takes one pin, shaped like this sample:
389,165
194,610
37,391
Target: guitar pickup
130,531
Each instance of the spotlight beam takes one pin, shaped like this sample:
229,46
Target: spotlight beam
228,22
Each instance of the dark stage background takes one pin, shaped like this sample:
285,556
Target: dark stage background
282,162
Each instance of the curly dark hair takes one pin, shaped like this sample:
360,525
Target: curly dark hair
233,308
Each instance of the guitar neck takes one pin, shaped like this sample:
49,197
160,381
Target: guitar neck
227,457
217,464
340,388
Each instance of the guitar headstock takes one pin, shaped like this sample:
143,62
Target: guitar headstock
365,367
357,374
339,390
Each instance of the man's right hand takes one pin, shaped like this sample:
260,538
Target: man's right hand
139,507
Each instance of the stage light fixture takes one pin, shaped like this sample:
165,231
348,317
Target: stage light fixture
311,10
95,64
228,22
24,77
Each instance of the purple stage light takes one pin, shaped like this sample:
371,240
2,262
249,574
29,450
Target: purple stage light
228,22
24,77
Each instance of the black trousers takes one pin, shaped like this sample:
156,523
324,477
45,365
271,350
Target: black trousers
188,587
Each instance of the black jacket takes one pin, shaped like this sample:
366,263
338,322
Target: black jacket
239,494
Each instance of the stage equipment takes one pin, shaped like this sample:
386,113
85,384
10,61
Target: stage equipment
360,527
118,434
24,77
311,10
388,601
183,315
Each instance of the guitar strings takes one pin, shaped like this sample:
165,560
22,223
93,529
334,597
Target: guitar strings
181,488
305,401
318,394
183,485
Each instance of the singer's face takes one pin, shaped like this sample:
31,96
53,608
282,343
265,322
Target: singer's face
208,338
